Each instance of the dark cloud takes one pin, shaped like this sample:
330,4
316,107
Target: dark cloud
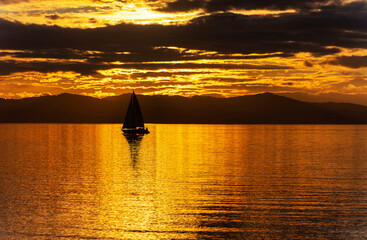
316,32
225,5
183,6
350,61
8,67
312,32
52,53
140,55
308,64
53,16
12,1
83,9
93,20
166,54
146,74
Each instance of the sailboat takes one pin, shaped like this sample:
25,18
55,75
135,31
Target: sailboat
134,123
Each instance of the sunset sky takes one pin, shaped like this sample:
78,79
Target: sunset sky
182,47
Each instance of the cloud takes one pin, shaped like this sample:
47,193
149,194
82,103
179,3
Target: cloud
226,5
253,87
139,55
319,33
53,16
12,1
350,61
357,82
308,64
218,36
80,9
8,67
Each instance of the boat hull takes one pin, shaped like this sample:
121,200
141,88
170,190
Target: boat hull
135,131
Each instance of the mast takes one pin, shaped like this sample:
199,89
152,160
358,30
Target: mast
133,118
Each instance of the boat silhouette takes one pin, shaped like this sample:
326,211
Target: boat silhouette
134,123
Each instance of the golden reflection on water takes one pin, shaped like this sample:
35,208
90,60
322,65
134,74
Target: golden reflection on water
183,182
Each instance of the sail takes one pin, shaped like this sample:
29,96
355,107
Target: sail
133,118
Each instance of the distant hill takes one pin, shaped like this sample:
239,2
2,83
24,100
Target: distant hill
264,108
360,99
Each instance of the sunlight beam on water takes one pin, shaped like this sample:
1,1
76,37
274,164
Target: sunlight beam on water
183,182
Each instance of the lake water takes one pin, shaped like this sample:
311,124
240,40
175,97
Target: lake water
85,181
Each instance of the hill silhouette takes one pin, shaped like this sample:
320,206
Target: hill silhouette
263,108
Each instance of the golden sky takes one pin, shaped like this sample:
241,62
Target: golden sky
182,47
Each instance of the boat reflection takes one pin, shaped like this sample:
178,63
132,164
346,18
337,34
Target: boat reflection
134,141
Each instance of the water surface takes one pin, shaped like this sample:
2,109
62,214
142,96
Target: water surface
76,181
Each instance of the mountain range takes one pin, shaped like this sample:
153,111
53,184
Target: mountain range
263,108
